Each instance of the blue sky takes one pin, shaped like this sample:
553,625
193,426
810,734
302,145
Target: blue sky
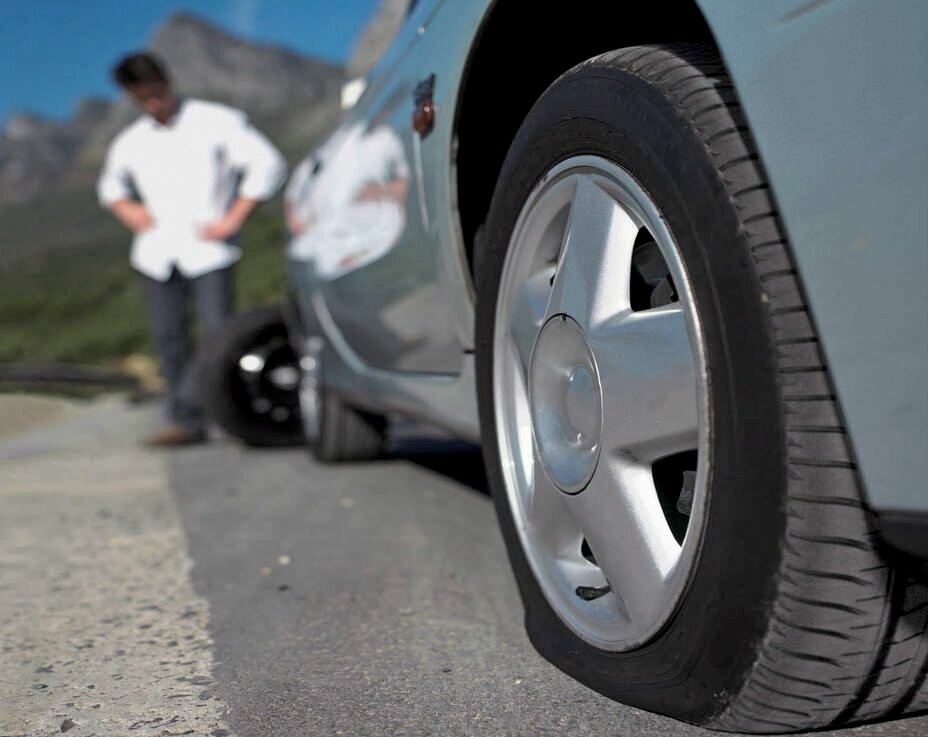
54,52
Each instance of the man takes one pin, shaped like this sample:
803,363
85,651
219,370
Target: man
184,178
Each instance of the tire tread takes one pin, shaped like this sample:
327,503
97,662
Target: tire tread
837,617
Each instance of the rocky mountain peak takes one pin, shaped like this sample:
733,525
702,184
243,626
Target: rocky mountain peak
205,60
90,112
23,126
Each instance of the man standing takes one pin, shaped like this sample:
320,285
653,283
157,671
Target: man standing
184,178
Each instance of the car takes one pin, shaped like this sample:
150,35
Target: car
666,263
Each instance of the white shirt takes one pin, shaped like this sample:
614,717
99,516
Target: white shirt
188,173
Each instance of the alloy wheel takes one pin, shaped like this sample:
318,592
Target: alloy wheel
601,403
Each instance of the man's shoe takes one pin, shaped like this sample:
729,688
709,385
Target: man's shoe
173,436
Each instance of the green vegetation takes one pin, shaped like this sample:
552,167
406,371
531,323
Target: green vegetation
67,292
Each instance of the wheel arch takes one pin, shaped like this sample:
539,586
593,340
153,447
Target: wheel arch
557,42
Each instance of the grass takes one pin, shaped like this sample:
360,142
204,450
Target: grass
80,302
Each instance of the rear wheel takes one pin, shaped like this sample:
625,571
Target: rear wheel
665,450
347,433
252,380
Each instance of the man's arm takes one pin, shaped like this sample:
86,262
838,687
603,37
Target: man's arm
230,223
134,215
115,194
263,169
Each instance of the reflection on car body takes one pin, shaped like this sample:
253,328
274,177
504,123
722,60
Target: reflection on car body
348,209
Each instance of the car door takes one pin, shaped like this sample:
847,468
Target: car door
381,277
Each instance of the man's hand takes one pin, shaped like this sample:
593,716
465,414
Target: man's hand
134,215
221,229
231,223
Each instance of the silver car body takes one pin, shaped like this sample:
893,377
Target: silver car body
836,93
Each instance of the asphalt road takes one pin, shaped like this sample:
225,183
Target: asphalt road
372,599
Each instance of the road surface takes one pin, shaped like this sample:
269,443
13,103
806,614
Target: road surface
223,591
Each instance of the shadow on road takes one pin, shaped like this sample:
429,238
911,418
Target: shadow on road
456,460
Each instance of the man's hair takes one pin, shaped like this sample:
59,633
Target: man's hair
139,68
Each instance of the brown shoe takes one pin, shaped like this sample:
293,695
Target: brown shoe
172,436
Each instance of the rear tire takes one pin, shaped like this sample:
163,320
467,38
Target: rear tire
251,404
346,433
796,616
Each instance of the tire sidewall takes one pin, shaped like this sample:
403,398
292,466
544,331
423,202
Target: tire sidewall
703,653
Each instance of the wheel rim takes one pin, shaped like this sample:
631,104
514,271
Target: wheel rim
269,377
601,403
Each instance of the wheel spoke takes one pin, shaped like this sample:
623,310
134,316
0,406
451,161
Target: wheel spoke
520,427
528,313
623,523
549,515
648,377
592,279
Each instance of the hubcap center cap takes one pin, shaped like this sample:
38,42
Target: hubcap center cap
581,402
566,404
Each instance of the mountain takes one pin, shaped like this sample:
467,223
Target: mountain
261,79
34,151
290,95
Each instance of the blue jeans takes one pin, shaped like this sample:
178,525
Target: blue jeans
181,365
